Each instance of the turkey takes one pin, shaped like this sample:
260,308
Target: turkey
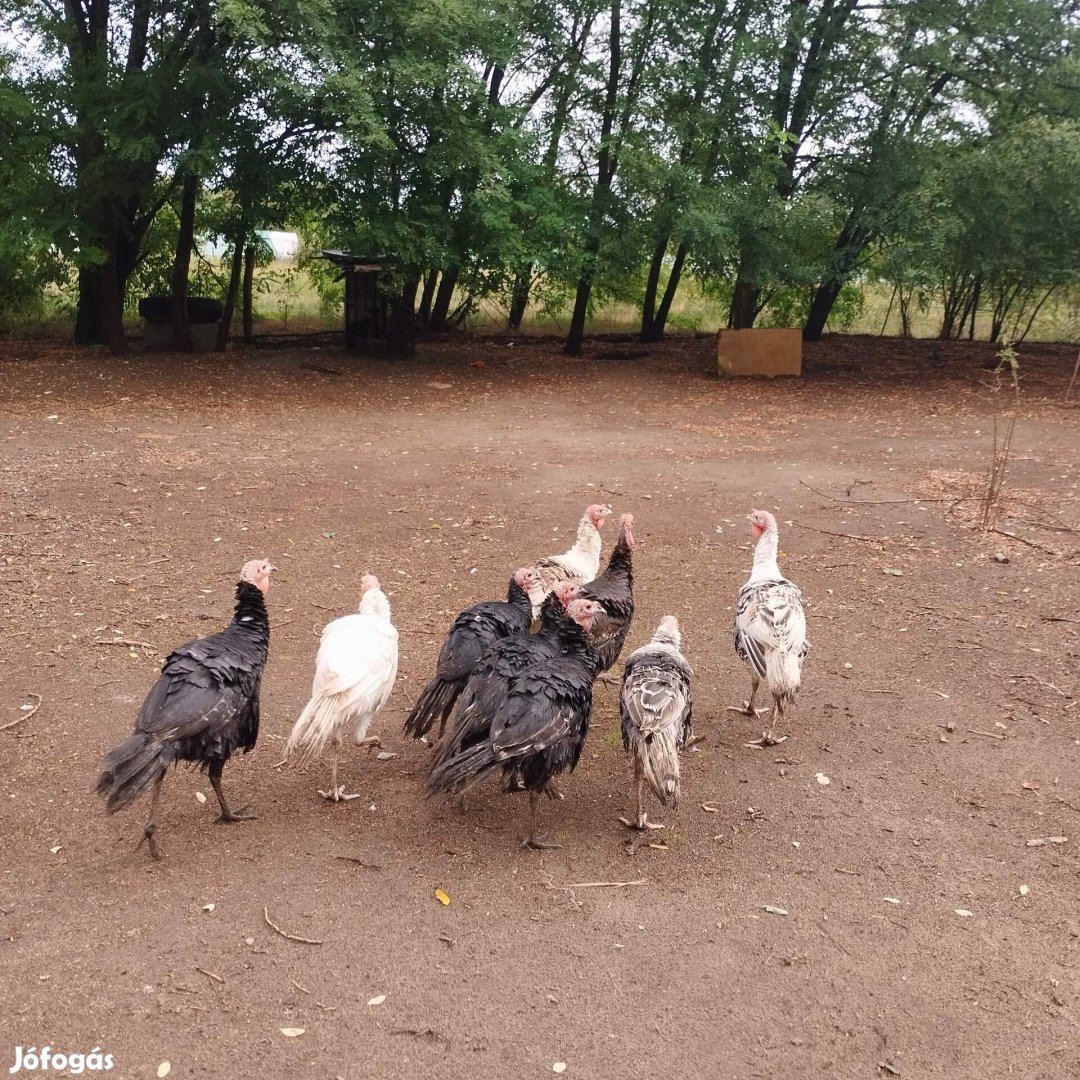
580,564
613,590
656,708
525,710
770,628
203,707
354,674
474,631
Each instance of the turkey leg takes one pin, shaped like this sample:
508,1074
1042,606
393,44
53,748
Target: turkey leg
748,706
532,840
767,737
642,821
226,814
336,794
150,828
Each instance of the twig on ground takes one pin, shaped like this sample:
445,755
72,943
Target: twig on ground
986,734
597,884
285,934
871,502
304,989
1036,679
1024,540
360,862
1065,802
865,691
131,644
210,975
26,715
846,536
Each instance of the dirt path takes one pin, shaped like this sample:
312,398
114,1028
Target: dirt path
938,702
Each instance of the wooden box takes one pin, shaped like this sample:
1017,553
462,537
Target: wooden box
759,352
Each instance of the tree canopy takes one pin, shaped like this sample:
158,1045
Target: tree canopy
566,151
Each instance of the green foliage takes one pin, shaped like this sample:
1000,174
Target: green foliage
795,149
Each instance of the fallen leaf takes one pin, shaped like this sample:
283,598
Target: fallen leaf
893,573
54,850
1029,785
775,910
822,779
1024,890
328,535
964,913
1040,840
443,897
709,808
378,1000
559,1067
890,900
440,385
164,1069
200,796
208,907
385,755
292,1033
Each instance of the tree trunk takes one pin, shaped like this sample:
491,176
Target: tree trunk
248,303
400,336
182,265
519,298
669,292
744,302
652,285
576,335
605,173
444,296
427,296
820,308
235,270
89,313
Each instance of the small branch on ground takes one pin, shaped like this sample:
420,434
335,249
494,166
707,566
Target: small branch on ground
285,934
26,715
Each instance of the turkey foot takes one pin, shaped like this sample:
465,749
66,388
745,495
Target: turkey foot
532,839
607,680
552,791
746,709
337,794
693,741
767,739
642,823
369,740
226,814
151,843
539,843
148,837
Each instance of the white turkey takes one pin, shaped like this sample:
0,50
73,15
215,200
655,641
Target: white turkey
770,628
354,674
580,564
656,707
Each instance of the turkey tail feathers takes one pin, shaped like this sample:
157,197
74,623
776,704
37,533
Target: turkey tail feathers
464,769
659,759
313,730
131,768
434,703
783,673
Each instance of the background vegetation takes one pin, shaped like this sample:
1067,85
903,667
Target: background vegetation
907,166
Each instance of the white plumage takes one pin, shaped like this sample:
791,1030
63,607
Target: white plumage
354,675
770,625
579,565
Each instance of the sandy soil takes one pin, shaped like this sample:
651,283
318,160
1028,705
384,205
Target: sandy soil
938,701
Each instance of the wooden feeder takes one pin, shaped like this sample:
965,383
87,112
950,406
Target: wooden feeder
367,307
759,352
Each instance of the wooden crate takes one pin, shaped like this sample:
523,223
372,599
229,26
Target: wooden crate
759,352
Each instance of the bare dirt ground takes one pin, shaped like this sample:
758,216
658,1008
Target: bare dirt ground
939,701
